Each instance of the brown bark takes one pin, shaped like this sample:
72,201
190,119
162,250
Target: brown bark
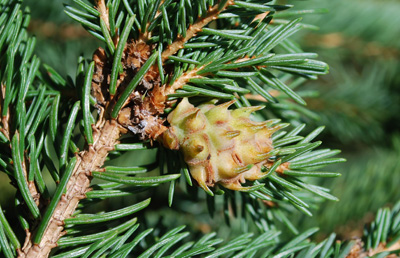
103,10
105,137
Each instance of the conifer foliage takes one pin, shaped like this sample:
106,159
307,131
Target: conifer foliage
184,79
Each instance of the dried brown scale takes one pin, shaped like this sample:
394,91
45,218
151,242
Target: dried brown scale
141,112
99,88
357,250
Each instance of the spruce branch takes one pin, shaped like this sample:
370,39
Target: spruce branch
145,34
104,14
51,229
194,28
208,65
132,84
183,80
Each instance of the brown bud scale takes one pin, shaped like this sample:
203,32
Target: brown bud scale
142,111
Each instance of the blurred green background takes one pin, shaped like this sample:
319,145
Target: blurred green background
358,102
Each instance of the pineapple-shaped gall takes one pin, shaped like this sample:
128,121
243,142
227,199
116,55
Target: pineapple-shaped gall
220,146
